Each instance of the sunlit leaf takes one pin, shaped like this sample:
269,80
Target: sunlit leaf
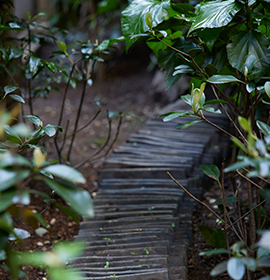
34,119
263,127
267,88
133,17
17,97
21,233
223,79
66,173
9,89
214,14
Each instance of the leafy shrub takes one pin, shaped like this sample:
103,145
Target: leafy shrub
224,44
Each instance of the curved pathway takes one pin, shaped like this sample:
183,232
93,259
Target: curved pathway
143,221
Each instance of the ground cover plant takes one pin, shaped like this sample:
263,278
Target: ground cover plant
23,157
224,46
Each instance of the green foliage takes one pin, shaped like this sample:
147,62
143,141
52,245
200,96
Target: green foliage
224,44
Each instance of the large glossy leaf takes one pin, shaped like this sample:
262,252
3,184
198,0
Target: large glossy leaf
79,200
66,173
215,14
236,268
133,17
249,43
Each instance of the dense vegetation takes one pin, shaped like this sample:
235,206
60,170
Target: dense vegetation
222,45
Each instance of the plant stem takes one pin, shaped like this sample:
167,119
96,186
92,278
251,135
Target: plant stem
193,197
251,215
224,206
77,118
250,181
61,113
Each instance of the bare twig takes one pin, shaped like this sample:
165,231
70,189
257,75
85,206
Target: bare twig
224,206
193,197
250,181
252,209
214,125
77,118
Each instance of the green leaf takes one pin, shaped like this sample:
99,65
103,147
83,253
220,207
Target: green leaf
133,17
214,14
49,130
245,124
67,274
239,144
8,159
34,64
34,119
66,173
104,45
236,268
223,79
211,110
267,88
11,178
67,211
250,263
215,252
263,127
228,200
249,43
219,238
19,233
207,234
79,200
62,46
149,20
175,115
6,199
17,98
9,89
187,124
182,69
211,171
220,268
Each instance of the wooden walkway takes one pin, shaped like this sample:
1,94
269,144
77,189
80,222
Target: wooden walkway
143,221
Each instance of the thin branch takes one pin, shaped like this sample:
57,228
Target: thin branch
87,124
242,217
65,138
193,197
77,118
261,178
250,181
216,126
